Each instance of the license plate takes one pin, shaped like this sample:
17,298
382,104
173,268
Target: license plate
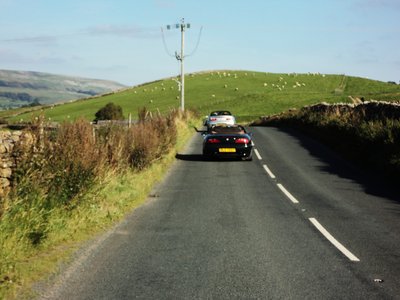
229,150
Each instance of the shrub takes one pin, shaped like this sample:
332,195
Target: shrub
109,112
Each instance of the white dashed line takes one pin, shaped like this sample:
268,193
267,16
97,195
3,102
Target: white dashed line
289,195
269,172
330,238
257,154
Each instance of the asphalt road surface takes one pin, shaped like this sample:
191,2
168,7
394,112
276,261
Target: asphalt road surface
297,222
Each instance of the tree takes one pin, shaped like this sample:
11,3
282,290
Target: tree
109,112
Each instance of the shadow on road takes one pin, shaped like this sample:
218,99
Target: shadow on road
200,157
372,183
190,157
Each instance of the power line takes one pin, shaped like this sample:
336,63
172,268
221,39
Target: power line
165,44
197,44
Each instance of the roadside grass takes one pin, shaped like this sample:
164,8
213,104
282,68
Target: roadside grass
247,94
23,264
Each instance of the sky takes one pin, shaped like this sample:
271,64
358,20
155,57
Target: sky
121,40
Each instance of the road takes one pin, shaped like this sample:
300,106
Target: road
297,222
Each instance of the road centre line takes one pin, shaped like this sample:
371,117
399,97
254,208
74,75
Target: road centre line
269,172
335,242
286,192
257,154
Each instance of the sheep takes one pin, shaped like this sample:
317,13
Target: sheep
236,89
265,84
225,86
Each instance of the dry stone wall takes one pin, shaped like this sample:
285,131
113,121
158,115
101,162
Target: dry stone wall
369,110
8,141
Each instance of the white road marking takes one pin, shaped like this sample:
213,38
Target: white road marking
257,154
330,238
289,195
269,172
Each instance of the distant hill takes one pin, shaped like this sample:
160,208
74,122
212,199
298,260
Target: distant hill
23,88
246,94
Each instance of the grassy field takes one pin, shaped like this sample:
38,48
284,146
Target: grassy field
247,94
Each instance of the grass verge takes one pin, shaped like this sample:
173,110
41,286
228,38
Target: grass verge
23,264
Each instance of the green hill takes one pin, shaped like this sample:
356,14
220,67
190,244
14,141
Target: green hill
247,94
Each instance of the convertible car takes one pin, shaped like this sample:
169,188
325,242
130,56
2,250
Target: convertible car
228,141
219,117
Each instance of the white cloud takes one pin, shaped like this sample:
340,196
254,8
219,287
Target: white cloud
129,31
44,39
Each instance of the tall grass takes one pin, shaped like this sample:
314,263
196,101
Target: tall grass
59,182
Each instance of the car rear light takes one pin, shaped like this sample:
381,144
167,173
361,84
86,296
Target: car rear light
242,141
213,119
213,141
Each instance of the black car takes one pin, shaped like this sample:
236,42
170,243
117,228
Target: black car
228,141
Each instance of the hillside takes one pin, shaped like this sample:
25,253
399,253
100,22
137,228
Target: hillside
247,94
20,88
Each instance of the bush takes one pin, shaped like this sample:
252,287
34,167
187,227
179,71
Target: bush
153,138
109,112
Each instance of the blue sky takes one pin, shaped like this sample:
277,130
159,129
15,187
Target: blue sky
121,40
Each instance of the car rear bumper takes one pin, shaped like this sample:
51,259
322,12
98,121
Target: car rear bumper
240,152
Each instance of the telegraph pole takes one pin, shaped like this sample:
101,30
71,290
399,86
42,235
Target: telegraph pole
182,26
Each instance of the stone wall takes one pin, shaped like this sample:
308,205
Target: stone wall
368,111
8,140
